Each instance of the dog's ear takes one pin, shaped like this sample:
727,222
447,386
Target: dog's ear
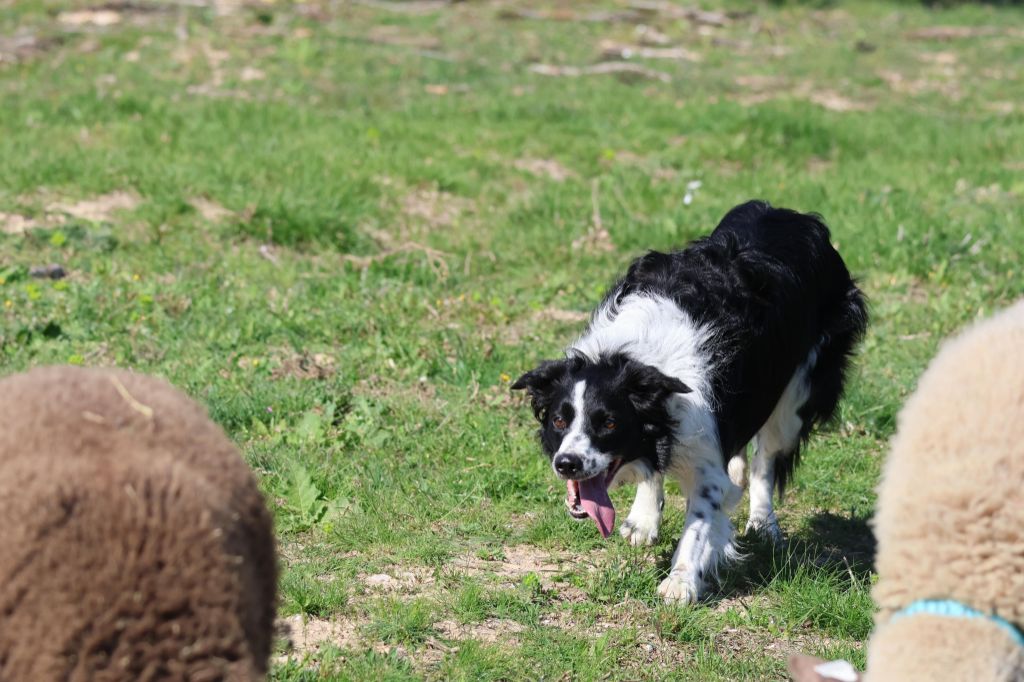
647,389
542,377
538,382
648,386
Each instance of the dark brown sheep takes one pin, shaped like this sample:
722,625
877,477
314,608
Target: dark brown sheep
134,543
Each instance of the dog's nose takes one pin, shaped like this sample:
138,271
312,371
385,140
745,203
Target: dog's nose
568,465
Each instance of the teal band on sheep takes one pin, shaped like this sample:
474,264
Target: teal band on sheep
954,609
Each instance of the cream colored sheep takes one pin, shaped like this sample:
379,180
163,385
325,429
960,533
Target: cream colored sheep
950,519
134,543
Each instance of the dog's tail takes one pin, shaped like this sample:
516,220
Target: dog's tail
844,326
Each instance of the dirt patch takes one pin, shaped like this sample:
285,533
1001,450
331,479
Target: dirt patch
613,50
545,168
249,74
744,642
751,99
628,613
1004,108
760,89
15,223
518,562
490,631
306,366
595,240
624,71
98,209
986,194
98,17
558,315
434,208
564,619
24,45
210,210
817,164
408,6
563,14
190,52
947,33
741,604
193,52
651,36
759,82
834,101
694,15
944,82
111,14
306,635
939,58
409,581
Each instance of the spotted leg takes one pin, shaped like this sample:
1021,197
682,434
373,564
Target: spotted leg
707,538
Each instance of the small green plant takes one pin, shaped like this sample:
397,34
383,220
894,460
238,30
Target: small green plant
306,505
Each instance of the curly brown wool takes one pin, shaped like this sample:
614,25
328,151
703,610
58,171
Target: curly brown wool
135,542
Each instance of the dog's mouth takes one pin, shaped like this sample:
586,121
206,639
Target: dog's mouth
590,498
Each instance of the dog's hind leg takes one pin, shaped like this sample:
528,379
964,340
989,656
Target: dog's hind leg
641,526
777,451
762,517
707,538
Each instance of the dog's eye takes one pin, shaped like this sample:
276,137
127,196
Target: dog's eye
610,424
559,423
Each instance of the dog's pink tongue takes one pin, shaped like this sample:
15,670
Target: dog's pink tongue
595,501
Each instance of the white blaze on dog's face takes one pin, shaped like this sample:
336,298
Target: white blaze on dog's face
596,416
583,429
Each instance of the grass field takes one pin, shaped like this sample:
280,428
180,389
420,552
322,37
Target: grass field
345,226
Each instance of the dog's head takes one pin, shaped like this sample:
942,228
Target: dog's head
596,416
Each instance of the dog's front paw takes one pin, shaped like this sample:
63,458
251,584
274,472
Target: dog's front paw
680,588
640,529
767,528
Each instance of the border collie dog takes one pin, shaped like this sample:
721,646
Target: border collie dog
744,336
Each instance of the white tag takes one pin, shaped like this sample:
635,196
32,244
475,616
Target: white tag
837,670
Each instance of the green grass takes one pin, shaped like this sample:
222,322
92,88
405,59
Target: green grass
393,248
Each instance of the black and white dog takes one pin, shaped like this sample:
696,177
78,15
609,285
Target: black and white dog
743,336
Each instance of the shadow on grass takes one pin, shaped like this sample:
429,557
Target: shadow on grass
825,543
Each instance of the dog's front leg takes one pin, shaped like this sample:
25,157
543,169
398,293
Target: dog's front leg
707,536
641,526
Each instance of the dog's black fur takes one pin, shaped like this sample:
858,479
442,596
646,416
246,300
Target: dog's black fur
772,288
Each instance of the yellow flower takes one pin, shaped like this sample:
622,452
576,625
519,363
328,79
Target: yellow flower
505,378
135,277
8,303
